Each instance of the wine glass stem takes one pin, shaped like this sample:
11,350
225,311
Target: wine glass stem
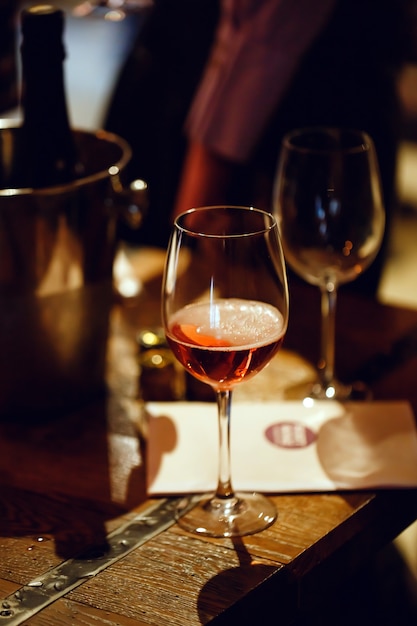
328,329
224,487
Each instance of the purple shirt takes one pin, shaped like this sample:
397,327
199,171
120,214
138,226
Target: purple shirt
257,49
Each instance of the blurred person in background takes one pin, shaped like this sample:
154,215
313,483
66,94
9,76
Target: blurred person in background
217,86
277,65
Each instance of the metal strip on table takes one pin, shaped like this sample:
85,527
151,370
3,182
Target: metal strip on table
55,583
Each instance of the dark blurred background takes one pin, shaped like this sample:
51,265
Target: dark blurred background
97,48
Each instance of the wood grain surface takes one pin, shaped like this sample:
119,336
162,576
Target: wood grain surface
65,484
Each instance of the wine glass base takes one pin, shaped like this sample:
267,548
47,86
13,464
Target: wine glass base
243,514
336,390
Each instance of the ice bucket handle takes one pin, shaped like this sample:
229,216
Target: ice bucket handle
131,201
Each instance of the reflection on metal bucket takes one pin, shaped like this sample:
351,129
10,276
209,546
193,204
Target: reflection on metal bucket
56,255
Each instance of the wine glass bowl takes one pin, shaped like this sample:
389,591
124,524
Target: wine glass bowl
329,206
225,317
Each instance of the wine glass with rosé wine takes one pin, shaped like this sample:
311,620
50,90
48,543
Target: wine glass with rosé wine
225,314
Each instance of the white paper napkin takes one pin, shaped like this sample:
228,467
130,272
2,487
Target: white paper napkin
283,446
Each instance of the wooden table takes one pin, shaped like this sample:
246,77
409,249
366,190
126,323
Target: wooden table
66,484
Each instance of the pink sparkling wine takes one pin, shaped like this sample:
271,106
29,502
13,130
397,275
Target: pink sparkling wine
225,341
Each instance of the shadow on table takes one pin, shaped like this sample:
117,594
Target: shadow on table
378,593
233,585
65,480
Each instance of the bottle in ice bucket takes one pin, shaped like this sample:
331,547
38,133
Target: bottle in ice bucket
46,154
57,240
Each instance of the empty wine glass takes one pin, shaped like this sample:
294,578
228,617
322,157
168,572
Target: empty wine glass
328,203
225,313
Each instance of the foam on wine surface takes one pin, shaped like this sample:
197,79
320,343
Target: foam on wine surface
228,322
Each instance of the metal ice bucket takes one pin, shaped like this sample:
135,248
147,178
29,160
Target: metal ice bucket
56,256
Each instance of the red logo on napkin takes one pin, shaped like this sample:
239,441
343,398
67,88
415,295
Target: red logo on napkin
290,435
